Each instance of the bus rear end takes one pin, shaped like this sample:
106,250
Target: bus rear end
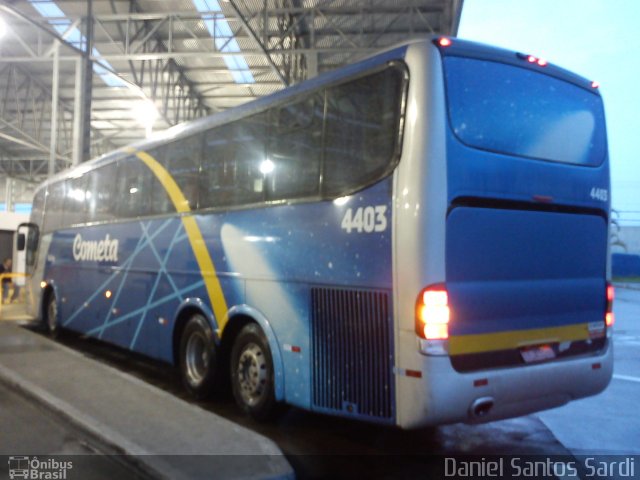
511,306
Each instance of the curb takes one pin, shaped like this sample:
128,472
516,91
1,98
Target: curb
150,464
97,430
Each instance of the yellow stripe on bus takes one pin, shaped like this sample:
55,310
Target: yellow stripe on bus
487,342
198,245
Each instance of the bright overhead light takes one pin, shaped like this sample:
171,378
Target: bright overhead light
3,27
146,113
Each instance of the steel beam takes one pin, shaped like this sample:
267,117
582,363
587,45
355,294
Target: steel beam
55,89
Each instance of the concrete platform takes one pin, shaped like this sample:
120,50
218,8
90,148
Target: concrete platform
14,312
165,436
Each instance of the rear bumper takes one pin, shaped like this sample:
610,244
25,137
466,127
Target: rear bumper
443,395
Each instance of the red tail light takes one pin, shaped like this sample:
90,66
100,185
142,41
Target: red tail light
444,42
608,317
432,313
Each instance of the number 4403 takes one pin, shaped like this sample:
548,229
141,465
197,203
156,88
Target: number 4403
601,194
365,219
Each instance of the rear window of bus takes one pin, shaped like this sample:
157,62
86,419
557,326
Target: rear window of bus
518,111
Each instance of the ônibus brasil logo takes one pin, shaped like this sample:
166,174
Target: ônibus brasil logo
32,468
105,250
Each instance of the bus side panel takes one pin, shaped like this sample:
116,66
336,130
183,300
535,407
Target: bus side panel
123,282
115,280
285,253
419,228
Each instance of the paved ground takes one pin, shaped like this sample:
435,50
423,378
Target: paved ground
608,423
30,430
164,435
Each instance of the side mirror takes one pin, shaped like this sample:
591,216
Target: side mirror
22,242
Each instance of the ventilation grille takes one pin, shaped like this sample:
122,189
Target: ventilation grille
352,352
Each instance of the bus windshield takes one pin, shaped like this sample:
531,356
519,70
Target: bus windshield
517,111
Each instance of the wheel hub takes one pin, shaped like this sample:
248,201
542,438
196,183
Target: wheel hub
252,374
197,358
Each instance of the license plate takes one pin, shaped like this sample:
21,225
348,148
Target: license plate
539,353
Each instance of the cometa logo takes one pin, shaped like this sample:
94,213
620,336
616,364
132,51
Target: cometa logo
95,250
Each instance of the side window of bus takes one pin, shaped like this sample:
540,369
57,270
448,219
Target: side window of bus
38,207
234,163
53,207
362,130
160,201
294,149
75,201
217,183
134,184
182,160
101,193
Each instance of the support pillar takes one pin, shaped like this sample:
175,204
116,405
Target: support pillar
87,85
78,112
55,90
8,194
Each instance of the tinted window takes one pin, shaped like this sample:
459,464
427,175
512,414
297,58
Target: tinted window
102,193
134,186
160,201
38,207
53,207
75,201
362,130
234,165
518,111
182,160
295,149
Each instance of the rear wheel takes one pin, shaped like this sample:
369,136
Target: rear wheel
50,317
252,379
198,359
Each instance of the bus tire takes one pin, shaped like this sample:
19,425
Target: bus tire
252,378
50,317
198,357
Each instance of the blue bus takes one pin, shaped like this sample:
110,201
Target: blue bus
415,239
